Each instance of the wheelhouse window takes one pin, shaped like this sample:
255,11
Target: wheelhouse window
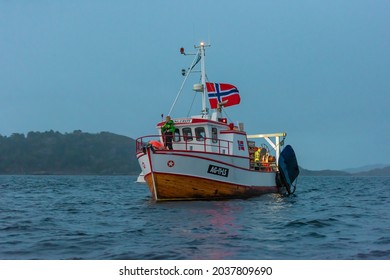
187,134
214,134
200,133
176,137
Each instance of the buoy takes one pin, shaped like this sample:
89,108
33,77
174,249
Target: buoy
156,144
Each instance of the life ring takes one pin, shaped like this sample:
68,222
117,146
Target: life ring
156,144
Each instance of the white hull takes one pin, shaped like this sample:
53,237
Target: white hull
183,175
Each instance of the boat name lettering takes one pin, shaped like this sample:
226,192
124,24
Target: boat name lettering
217,170
183,121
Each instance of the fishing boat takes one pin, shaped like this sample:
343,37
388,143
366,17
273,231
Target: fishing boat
210,157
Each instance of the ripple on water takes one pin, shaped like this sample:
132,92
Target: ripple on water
98,217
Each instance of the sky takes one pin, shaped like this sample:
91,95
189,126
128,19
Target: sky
317,70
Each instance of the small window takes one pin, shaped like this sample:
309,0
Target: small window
214,134
187,134
176,137
200,133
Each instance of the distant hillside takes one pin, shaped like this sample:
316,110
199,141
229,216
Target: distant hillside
327,172
95,154
365,168
374,172
70,153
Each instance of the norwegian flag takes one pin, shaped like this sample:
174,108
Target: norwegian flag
224,94
240,145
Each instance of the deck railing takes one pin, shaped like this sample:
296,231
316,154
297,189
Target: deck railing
205,145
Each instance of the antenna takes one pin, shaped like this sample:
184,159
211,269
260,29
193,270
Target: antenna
185,74
199,56
183,52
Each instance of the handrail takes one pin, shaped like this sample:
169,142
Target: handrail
221,144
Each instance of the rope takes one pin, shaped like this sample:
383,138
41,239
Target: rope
182,85
192,103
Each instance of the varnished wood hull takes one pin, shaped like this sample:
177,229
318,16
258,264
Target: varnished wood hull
182,187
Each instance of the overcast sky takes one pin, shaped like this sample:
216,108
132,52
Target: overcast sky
318,70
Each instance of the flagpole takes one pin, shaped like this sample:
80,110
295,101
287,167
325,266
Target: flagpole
203,76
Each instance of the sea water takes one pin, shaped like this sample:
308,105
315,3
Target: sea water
112,217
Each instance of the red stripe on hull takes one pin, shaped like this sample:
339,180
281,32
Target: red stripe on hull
181,187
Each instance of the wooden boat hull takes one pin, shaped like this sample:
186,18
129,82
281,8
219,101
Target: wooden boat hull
190,176
182,187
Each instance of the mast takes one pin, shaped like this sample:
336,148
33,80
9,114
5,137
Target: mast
203,89
203,78
199,56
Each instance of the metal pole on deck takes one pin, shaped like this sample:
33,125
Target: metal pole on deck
203,76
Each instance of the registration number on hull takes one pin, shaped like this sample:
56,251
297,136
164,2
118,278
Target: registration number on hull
217,170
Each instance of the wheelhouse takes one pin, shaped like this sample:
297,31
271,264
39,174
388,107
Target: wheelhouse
197,134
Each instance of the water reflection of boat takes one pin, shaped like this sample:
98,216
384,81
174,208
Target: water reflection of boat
214,159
